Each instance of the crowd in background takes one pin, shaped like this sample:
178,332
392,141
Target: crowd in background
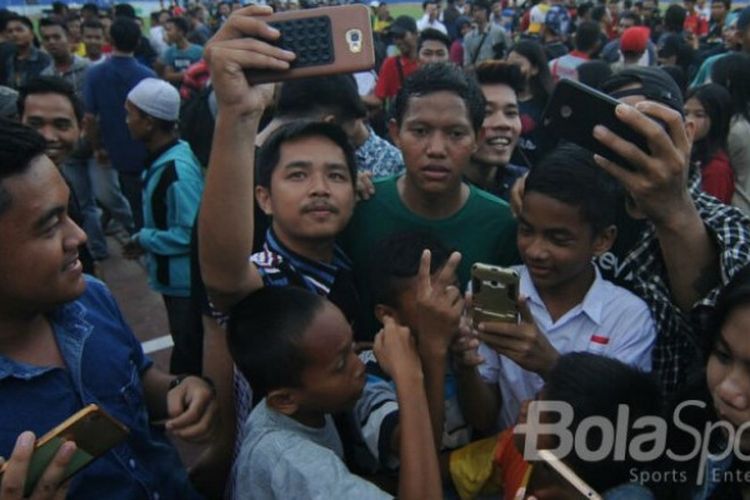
313,244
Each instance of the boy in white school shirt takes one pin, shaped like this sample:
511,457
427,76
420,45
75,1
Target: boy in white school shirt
567,219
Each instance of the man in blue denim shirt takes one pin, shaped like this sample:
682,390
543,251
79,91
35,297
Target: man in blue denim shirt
64,344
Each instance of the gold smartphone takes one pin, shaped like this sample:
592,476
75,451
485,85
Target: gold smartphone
326,41
92,430
494,294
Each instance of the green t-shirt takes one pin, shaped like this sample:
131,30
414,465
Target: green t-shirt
483,230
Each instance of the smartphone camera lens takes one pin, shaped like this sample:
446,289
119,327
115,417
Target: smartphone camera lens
565,111
355,37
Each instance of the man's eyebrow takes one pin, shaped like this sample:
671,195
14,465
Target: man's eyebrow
298,164
50,214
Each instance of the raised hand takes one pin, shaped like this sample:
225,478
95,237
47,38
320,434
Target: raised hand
439,305
242,45
396,351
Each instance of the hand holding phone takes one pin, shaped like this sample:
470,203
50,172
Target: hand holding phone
79,440
523,343
13,477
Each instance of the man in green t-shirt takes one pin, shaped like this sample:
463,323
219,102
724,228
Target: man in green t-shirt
437,118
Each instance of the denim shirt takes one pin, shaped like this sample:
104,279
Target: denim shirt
104,363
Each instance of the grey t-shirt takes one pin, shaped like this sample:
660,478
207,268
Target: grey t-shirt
281,458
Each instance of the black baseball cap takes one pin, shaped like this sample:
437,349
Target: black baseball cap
402,24
655,85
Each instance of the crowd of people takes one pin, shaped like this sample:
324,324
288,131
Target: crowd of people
313,242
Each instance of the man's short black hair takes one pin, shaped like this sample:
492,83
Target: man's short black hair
23,20
569,175
434,35
595,385
19,145
265,335
90,7
500,73
125,34
598,13
124,10
59,8
587,36
270,153
312,97
674,18
395,260
629,14
482,4
180,23
48,22
437,77
50,85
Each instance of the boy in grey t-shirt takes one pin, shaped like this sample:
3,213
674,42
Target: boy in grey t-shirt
296,349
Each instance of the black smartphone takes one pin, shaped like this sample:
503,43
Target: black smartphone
575,109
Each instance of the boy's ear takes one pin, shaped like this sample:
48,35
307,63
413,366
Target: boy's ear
263,197
283,401
382,310
604,240
393,132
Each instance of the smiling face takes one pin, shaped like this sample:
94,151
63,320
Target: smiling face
39,257
312,195
728,371
555,242
436,139
52,115
501,127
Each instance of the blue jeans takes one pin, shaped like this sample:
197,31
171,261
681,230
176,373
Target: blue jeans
107,190
77,172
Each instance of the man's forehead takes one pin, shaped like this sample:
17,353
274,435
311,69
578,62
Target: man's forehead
47,104
36,189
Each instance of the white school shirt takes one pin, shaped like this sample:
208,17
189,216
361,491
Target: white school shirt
610,321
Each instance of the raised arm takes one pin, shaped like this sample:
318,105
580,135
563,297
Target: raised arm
226,216
419,475
660,191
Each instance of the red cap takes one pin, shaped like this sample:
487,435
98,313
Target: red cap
634,39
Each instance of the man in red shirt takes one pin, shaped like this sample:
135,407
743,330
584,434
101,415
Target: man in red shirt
395,69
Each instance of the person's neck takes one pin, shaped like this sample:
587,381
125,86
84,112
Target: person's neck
564,297
158,141
481,174
182,44
429,206
269,129
313,419
315,250
481,25
64,61
360,135
28,337
120,53
94,56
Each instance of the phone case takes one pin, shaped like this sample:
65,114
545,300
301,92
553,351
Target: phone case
94,432
326,41
575,109
494,294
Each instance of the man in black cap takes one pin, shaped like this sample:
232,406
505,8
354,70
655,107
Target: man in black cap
395,69
676,246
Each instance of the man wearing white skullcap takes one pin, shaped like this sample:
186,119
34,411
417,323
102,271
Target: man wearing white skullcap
172,188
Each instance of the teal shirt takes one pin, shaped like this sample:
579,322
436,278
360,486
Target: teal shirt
483,230
180,60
